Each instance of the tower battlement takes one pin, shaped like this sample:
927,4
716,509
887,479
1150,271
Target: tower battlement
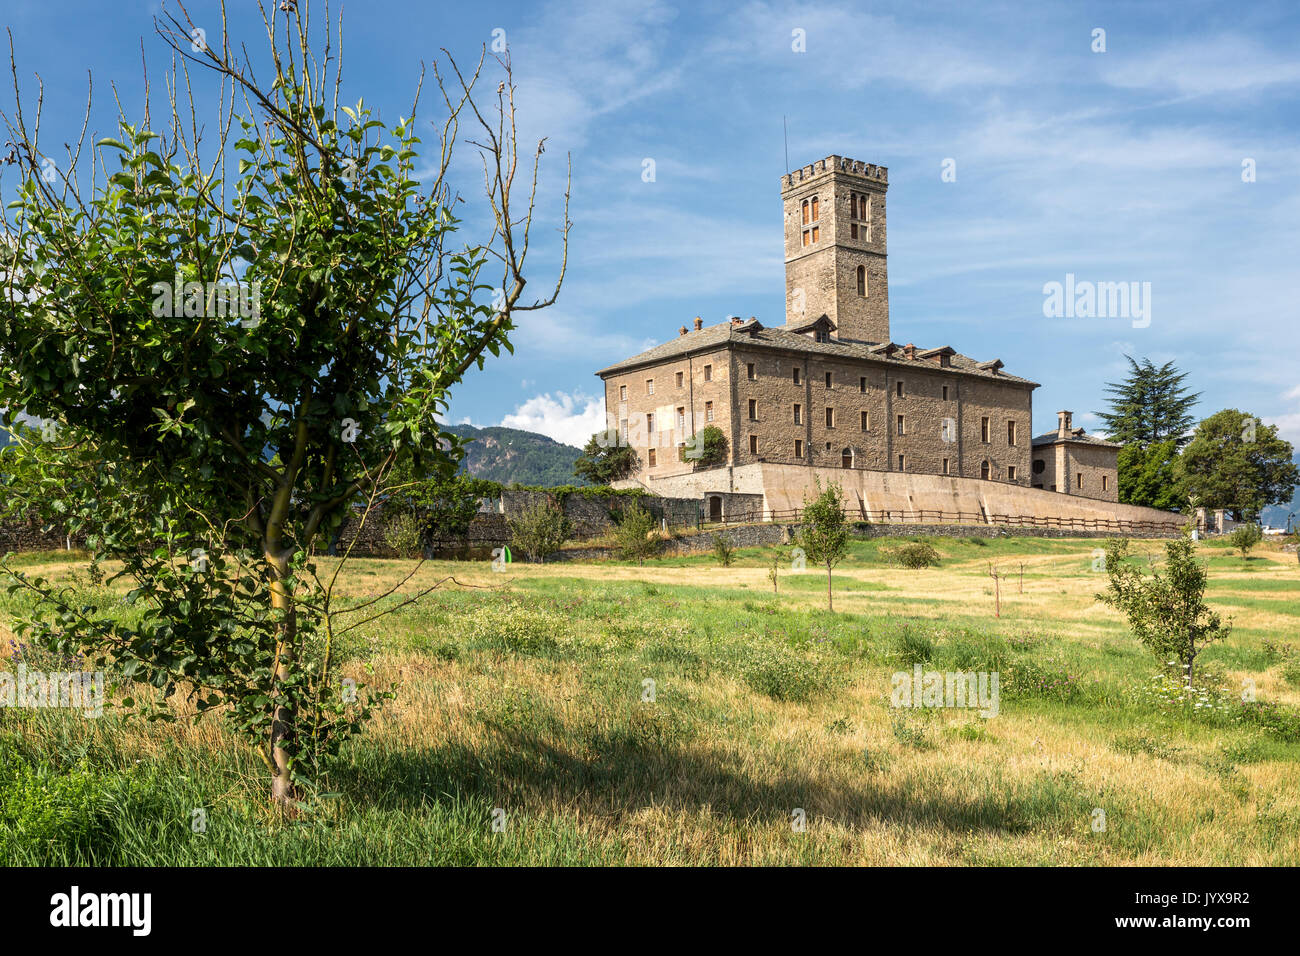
835,164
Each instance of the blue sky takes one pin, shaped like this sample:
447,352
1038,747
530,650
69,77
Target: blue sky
1123,165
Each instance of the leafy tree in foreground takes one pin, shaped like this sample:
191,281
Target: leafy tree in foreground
634,534
1237,463
230,357
1150,406
539,530
824,536
603,461
1166,611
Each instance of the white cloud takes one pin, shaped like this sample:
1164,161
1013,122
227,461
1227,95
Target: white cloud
568,418
1204,66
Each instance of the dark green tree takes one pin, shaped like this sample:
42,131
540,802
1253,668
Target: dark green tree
605,459
1237,463
1151,405
707,449
1147,476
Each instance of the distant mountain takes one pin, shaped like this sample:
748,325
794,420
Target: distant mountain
1275,515
509,455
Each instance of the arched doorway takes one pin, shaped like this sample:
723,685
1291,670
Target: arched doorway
984,471
846,458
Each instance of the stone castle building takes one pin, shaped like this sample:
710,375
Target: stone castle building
829,389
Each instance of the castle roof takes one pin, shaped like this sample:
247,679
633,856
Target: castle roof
1078,436
751,333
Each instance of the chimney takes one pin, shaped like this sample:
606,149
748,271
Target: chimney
735,320
1063,424
909,351
699,323
682,330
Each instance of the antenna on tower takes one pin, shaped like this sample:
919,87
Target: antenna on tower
786,133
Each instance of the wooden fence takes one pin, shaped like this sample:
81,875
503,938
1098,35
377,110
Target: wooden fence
926,516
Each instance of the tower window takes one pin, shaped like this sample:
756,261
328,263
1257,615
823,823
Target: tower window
902,463
984,470
708,411
681,420
753,444
862,384
749,372
815,214
900,425
753,409
1078,481
650,423
1105,482
1011,432
708,373
796,375
853,230
898,388
798,414
814,233
945,466
828,379
945,393
798,449
862,277
866,422
1011,472
830,418
805,212
984,430
807,237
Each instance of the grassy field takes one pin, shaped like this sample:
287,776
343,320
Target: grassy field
524,692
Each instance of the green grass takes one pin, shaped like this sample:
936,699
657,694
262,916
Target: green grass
527,694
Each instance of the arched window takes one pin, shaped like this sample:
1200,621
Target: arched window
815,214
862,281
846,458
984,471
805,212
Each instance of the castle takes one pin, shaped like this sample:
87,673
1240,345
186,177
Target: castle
828,389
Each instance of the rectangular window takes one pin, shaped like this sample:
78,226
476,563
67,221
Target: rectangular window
853,230
984,430
1011,472
862,384
622,393
753,444
900,425
945,466
796,376
749,371
650,423
866,422
708,373
828,379
945,393
899,387
902,463
798,414
650,457
1078,481
798,449
679,379
1011,432
806,237
753,409
708,411
649,386
830,418
1105,482
681,420
814,233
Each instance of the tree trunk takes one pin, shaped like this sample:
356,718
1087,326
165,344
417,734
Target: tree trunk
830,601
284,717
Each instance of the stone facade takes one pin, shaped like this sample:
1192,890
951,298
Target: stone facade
1071,462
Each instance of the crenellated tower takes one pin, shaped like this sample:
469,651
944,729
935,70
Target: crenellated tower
835,258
